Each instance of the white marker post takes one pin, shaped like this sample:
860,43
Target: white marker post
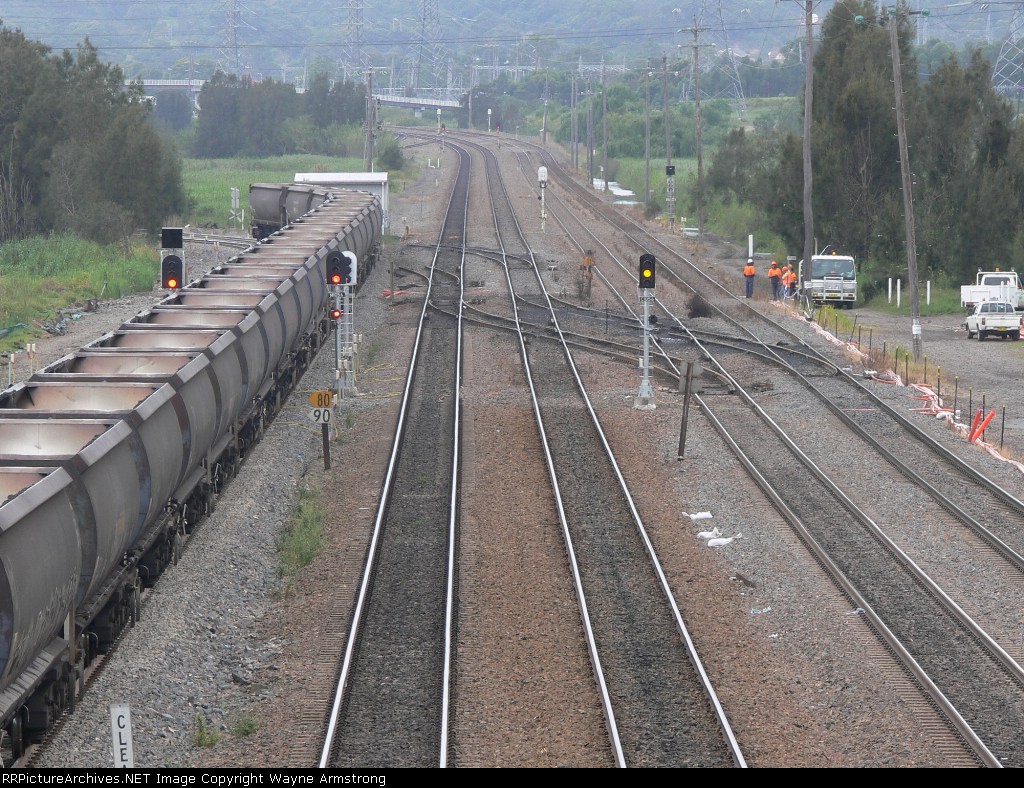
542,179
121,729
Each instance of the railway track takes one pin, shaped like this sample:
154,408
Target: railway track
391,703
893,430
496,569
653,724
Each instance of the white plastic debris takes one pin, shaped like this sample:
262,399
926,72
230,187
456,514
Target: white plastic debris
714,533
722,542
698,516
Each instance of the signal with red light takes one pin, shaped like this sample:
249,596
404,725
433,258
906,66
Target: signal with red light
341,268
171,272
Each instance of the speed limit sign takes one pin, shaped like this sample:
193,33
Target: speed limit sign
322,398
320,415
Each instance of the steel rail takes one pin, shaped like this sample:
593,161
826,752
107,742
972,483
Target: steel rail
697,663
386,493
990,645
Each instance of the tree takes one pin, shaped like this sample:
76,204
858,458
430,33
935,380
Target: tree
172,111
218,132
967,215
263,109
80,153
389,152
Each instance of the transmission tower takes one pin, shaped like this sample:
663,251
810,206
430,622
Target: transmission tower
355,57
430,56
720,35
1008,75
230,56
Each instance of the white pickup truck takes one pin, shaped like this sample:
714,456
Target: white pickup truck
994,318
993,285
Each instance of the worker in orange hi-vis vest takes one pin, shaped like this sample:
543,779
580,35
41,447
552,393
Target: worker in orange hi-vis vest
789,280
775,277
749,271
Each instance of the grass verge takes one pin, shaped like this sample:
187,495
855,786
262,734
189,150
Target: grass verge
40,277
303,539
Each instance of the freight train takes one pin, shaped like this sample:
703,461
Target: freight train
110,455
274,205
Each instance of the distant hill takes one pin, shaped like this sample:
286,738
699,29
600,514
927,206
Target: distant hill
283,38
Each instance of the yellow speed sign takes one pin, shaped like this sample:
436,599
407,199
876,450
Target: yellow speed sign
321,399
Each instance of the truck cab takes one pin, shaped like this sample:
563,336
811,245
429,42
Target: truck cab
993,285
832,279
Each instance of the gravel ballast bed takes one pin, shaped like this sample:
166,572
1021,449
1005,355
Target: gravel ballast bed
220,640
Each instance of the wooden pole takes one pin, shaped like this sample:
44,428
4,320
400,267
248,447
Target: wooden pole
687,389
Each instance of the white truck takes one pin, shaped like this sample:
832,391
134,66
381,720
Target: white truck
993,285
994,318
832,279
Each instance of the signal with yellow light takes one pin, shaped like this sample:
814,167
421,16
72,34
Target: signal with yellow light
648,271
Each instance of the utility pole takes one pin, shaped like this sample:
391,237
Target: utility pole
371,120
647,135
908,199
700,126
574,127
670,169
544,131
604,129
808,106
590,134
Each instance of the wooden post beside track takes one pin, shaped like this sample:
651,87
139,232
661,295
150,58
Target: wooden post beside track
687,389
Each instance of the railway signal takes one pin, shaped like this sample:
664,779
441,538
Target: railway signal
336,314
341,268
645,281
647,271
334,272
170,272
172,258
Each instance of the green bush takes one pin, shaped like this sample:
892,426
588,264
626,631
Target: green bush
244,725
205,737
389,153
303,538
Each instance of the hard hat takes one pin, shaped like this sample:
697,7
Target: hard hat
750,259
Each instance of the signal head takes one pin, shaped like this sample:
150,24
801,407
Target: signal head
647,271
342,268
171,272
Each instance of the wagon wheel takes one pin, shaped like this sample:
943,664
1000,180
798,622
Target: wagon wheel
17,733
